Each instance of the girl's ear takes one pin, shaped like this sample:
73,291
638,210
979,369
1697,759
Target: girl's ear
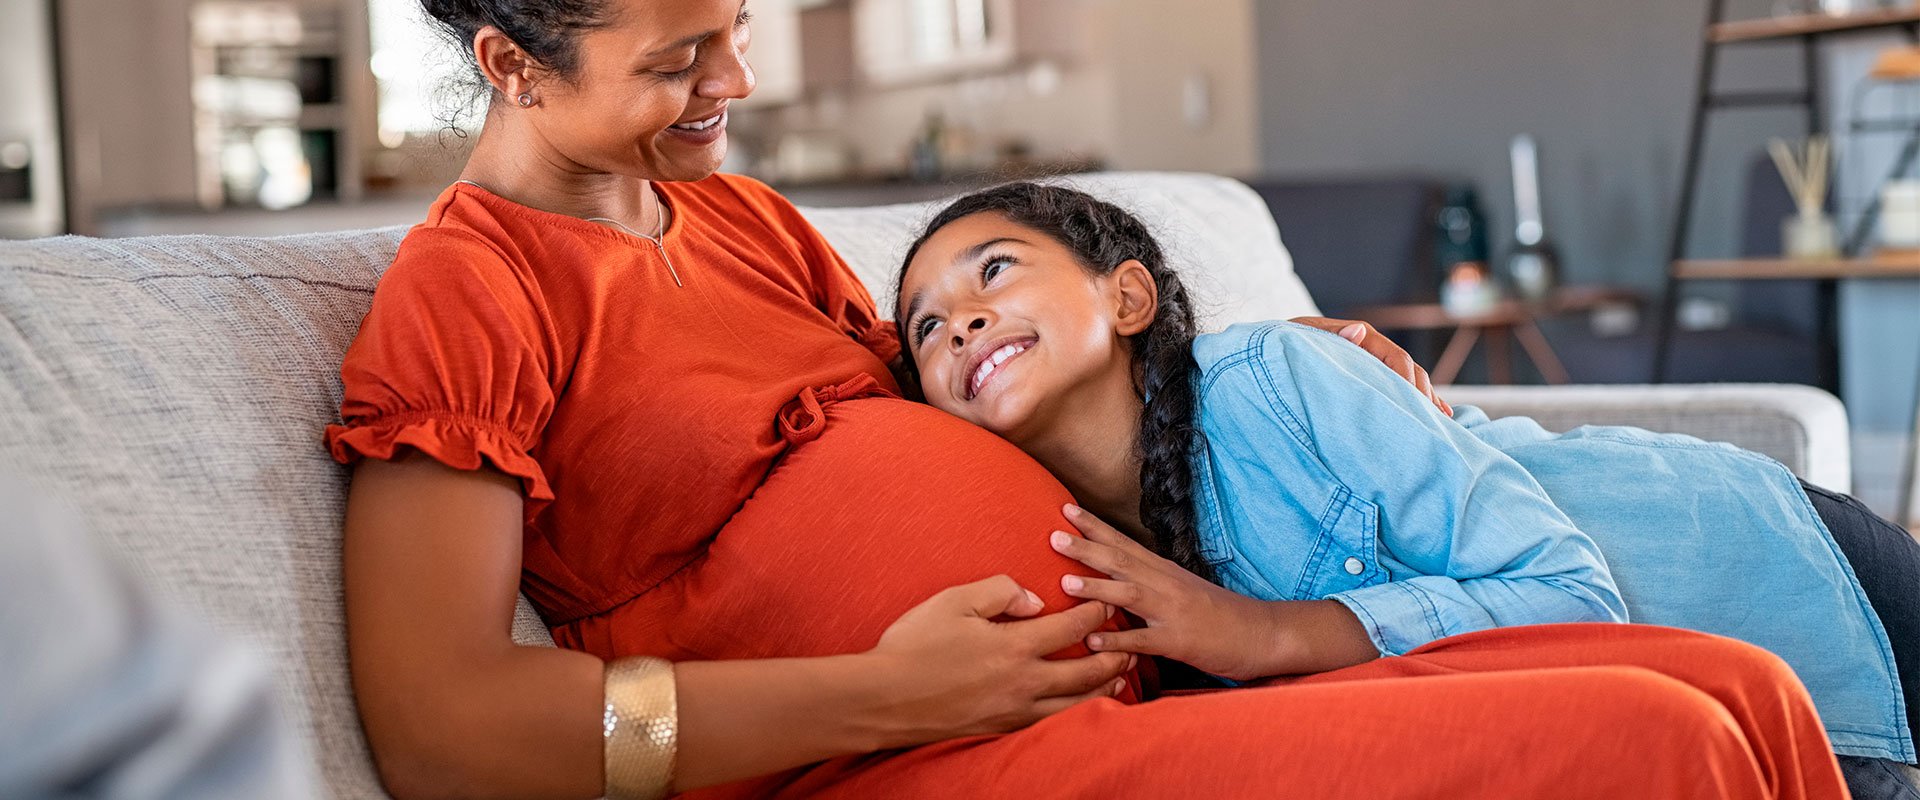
1138,295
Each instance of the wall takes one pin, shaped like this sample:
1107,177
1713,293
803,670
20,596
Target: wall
1156,56
1440,89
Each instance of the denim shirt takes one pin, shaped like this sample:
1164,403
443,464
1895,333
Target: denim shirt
1323,475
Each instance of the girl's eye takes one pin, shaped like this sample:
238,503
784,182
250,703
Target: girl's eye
745,17
923,329
993,268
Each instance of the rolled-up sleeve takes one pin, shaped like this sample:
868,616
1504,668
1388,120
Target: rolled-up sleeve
1474,540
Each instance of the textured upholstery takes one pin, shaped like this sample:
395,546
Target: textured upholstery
175,390
1799,426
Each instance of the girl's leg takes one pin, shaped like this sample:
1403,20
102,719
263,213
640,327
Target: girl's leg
1560,711
1887,560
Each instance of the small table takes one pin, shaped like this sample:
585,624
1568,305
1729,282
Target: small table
1508,317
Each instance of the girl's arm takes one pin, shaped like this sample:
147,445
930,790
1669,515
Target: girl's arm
1208,627
1485,545
453,708
1476,540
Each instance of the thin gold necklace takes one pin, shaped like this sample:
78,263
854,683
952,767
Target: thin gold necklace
658,238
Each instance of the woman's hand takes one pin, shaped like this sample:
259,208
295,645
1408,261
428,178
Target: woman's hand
1187,618
1382,348
959,672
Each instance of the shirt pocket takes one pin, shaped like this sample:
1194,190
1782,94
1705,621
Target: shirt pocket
1346,555
1217,546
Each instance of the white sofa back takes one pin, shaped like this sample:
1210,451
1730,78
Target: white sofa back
174,390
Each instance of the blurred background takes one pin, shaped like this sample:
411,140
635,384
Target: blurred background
1395,142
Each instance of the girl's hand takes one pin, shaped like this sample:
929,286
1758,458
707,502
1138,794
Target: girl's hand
951,670
1187,618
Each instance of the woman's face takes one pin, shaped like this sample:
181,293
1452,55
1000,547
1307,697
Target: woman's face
1009,330
650,92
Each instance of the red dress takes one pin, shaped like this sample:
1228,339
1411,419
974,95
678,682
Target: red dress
723,469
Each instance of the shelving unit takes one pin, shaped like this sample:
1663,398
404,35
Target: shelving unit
1789,269
1806,31
272,84
1777,28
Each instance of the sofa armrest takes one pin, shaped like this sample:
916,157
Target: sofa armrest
1799,426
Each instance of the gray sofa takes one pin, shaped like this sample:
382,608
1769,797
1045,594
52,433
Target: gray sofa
174,390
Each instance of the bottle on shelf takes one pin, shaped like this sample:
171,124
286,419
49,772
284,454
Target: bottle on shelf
1533,267
1460,231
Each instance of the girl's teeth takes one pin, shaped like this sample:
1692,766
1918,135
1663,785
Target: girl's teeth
702,124
992,362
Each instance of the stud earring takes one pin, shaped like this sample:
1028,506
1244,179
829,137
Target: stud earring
525,99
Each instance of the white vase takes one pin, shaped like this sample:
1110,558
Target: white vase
1809,237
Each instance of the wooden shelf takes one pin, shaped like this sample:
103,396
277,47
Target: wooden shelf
1759,30
1906,266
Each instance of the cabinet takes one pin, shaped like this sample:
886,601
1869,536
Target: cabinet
914,41
274,106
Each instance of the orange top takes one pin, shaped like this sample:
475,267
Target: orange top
484,318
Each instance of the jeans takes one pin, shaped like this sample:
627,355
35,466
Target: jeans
1887,560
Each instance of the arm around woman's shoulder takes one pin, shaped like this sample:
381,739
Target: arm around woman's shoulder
1479,541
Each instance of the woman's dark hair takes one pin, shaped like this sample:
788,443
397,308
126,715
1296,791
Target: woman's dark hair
1103,236
548,30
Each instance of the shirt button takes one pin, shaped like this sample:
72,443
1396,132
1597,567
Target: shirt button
1354,567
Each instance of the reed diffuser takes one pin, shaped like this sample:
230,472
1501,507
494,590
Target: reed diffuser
1810,233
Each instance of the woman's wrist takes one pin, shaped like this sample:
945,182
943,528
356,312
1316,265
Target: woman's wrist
747,717
883,703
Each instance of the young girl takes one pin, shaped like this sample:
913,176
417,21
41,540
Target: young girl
1351,519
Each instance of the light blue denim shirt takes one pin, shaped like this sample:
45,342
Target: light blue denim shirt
1324,475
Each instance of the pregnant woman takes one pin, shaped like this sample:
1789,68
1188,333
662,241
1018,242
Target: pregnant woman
653,399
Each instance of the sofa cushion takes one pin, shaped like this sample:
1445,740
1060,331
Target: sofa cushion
175,390
1215,230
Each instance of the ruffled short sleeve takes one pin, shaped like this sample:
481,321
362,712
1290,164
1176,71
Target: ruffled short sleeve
453,361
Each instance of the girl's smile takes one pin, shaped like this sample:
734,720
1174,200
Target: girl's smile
989,361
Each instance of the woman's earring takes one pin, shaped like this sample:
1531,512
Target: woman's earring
525,99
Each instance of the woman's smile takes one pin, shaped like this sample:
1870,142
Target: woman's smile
701,132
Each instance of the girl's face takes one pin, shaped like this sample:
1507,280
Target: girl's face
1010,332
651,92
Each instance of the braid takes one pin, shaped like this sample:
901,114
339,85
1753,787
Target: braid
1167,432
1103,236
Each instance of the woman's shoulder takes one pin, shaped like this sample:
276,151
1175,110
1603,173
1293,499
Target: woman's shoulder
463,245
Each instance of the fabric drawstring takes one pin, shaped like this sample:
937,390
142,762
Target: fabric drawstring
804,417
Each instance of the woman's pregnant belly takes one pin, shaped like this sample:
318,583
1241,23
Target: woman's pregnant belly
893,502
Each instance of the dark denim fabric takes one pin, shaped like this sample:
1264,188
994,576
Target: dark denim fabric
1887,560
